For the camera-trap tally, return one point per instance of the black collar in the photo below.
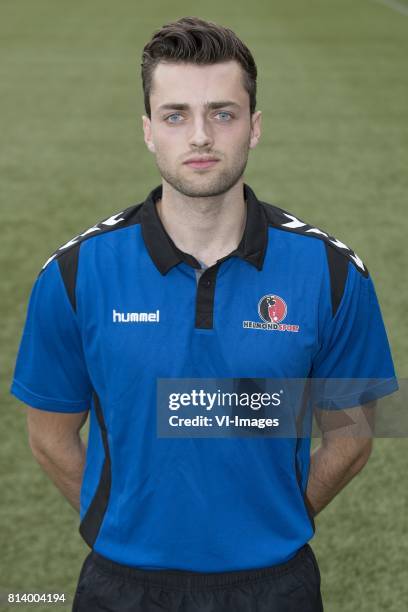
(166, 254)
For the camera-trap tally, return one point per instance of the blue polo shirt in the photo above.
(120, 306)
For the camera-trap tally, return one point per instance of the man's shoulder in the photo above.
(338, 253)
(66, 257)
(125, 218)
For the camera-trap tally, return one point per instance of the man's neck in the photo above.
(207, 228)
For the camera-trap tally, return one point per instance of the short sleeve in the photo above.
(354, 361)
(50, 371)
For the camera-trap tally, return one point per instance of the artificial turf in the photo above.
(333, 89)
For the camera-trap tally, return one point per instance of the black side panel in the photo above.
(92, 521)
(68, 265)
(299, 479)
(338, 268)
(306, 398)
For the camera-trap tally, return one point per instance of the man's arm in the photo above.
(343, 453)
(57, 446)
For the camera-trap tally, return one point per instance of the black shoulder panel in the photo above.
(67, 254)
(277, 217)
(338, 268)
(68, 265)
(129, 216)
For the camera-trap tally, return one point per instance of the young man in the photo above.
(199, 281)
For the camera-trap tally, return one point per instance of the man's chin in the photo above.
(202, 186)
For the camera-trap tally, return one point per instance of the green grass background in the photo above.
(333, 89)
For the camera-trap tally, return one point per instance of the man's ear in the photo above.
(147, 131)
(255, 129)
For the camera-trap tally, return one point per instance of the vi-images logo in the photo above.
(135, 317)
(272, 310)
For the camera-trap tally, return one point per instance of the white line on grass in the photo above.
(396, 6)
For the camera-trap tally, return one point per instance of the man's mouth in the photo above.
(201, 164)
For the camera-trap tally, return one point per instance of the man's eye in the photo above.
(226, 114)
(173, 115)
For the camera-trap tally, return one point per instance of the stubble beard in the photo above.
(214, 184)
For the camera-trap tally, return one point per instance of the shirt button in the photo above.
(208, 283)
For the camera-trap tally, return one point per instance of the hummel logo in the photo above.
(135, 317)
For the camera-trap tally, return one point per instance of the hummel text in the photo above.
(135, 317)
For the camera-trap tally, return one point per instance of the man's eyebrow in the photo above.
(209, 105)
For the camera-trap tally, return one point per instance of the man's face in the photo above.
(183, 126)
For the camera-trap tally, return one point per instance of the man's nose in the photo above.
(200, 133)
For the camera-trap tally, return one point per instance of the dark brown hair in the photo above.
(193, 40)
